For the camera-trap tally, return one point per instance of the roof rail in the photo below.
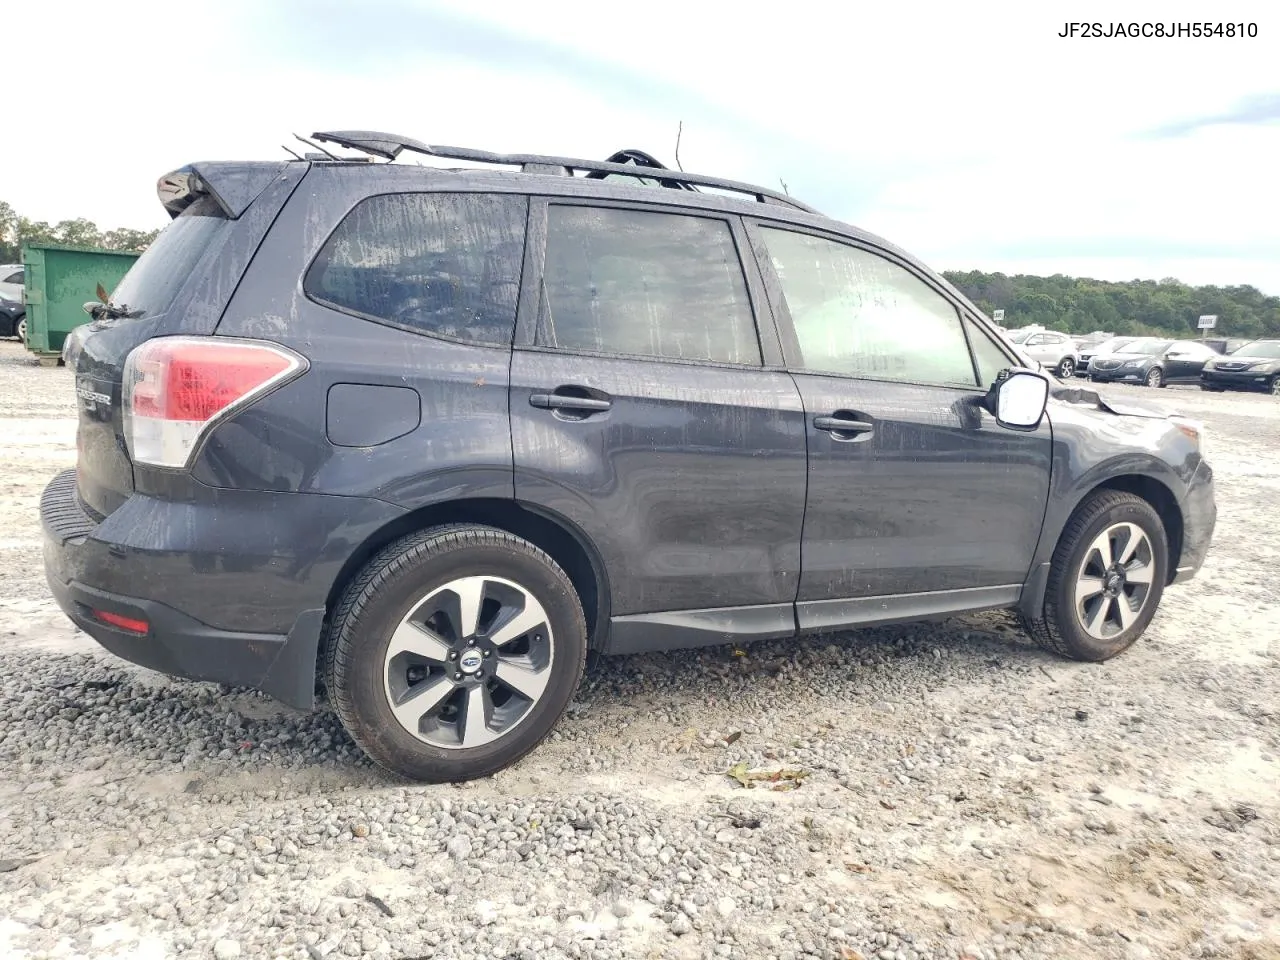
(389, 146)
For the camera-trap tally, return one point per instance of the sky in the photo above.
(973, 135)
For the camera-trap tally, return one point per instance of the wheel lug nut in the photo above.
(457, 676)
(453, 655)
(488, 653)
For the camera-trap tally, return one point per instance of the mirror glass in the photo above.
(1021, 399)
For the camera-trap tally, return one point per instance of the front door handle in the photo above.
(569, 402)
(839, 425)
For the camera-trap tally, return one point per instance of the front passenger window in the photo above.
(858, 314)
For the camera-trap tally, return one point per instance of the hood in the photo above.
(1241, 358)
(1083, 396)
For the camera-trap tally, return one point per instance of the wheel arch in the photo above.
(1148, 487)
(560, 538)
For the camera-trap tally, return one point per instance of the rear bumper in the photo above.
(1199, 518)
(1238, 380)
(233, 591)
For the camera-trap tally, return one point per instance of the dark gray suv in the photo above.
(422, 438)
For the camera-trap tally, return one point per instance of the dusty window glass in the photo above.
(858, 314)
(645, 284)
(14, 277)
(990, 358)
(442, 263)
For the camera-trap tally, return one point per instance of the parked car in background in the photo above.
(1111, 345)
(1253, 366)
(13, 311)
(1053, 350)
(518, 416)
(1223, 345)
(1153, 362)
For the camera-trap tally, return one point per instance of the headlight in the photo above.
(1196, 431)
(1271, 366)
(1133, 363)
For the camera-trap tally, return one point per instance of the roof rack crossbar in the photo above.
(389, 146)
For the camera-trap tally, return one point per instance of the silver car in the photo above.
(1053, 350)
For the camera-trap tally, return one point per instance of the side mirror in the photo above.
(1018, 399)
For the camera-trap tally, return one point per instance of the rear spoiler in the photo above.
(232, 185)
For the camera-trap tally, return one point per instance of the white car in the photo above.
(13, 320)
(1052, 350)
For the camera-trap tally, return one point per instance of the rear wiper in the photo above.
(104, 309)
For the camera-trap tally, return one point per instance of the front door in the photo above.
(918, 501)
(642, 413)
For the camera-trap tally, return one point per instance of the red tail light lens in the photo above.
(177, 388)
(130, 624)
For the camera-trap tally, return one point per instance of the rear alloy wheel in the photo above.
(20, 331)
(455, 652)
(1066, 368)
(1106, 578)
(1155, 377)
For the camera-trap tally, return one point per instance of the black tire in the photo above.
(1066, 368)
(1059, 628)
(387, 589)
(1155, 378)
(1273, 386)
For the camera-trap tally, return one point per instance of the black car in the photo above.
(425, 437)
(1097, 348)
(1253, 366)
(1155, 363)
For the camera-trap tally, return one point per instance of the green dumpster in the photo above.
(59, 281)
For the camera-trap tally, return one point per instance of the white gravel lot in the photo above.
(966, 795)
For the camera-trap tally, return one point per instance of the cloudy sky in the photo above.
(971, 134)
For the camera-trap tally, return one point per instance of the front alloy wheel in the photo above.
(21, 330)
(1106, 578)
(454, 652)
(1066, 368)
(1155, 377)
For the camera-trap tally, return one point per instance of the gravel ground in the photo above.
(960, 793)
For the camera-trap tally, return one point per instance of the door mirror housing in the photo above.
(1018, 399)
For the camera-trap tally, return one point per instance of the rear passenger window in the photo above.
(440, 263)
(645, 284)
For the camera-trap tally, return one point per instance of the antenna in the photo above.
(312, 143)
(679, 131)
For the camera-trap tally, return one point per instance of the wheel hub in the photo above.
(1114, 582)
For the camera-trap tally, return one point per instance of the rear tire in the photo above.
(20, 331)
(454, 652)
(1113, 539)
(1066, 368)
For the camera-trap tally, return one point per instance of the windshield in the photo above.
(1108, 346)
(1146, 347)
(1260, 348)
(154, 279)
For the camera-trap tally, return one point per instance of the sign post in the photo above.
(1207, 321)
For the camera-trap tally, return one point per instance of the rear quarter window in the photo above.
(446, 264)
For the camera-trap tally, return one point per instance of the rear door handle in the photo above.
(843, 425)
(557, 401)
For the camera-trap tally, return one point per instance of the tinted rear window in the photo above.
(155, 278)
(439, 263)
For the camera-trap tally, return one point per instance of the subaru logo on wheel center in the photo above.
(470, 661)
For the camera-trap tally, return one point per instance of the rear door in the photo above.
(647, 411)
(1184, 360)
(918, 501)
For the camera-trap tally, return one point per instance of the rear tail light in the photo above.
(128, 624)
(176, 389)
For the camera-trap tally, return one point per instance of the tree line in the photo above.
(1135, 307)
(16, 230)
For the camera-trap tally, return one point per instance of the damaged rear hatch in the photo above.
(180, 285)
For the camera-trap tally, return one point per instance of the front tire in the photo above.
(1273, 386)
(1155, 377)
(20, 331)
(454, 653)
(1066, 368)
(1106, 578)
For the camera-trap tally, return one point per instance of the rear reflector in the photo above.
(124, 623)
(177, 388)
